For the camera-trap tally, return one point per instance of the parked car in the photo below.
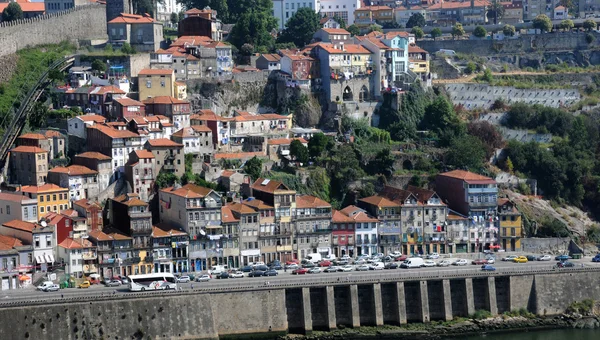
(520, 259)
(596, 258)
(562, 257)
(113, 283)
(509, 258)
(479, 261)
(45, 285)
(236, 275)
(395, 253)
(460, 262)
(362, 267)
(544, 258)
(261, 267)
(276, 266)
(124, 280)
(487, 267)
(565, 264)
(315, 270)
(183, 279)
(332, 269)
(387, 259)
(347, 268)
(429, 263)
(401, 258)
(490, 260)
(292, 266)
(531, 258)
(360, 261)
(256, 273)
(377, 266)
(443, 263)
(255, 265)
(270, 272)
(292, 261)
(412, 262)
(246, 269)
(308, 264)
(325, 263)
(433, 256)
(223, 275)
(84, 284)
(391, 265)
(299, 271)
(52, 288)
(203, 278)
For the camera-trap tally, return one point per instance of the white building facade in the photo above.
(283, 10)
(341, 8)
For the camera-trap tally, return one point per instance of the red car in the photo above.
(401, 258)
(479, 261)
(292, 261)
(299, 271)
(325, 263)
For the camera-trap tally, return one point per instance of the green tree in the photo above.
(12, 12)
(174, 18)
(375, 28)
(480, 32)
(253, 168)
(466, 152)
(165, 179)
(543, 23)
(353, 29)
(470, 68)
(221, 6)
(509, 166)
(487, 133)
(301, 27)
(509, 30)
(254, 27)
(416, 20)
(108, 48)
(436, 32)
(340, 21)
(487, 75)
(495, 11)
(142, 7)
(299, 151)
(566, 25)
(589, 24)
(127, 48)
(418, 32)
(458, 30)
(589, 38)
(317, 144)
(99, 65)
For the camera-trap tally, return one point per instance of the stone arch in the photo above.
(407, 164)
(363, 95)
(347, 95)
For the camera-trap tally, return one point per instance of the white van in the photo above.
(413, 262)
(45, 285)
(314, 257)
(217, 270)
(377, 266)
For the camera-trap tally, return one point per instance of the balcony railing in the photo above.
(90, 268)
(149, 259)
(132, 260)
(89, 256)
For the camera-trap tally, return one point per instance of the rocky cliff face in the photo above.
(8, 65)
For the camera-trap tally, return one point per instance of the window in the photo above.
(148, 83)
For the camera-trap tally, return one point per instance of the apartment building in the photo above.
(178, 111)
(98, 162)
(168, 154)
(79, 257)
(28, 165)
(253, 234)
(283, 10)
(115, 252)
(343, 234)
(50, 197)
(154, 82)
(365, 230)
(14, 206)
(115, 142)
(81, 181)
(196, 139)
(510, 225)
(341, 8)
(169, 249)
(140, 173)
(312, 226)
(390, 223)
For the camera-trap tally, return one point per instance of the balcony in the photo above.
(90, 268)
(132, 260)
(482, 204)
(482, 190)
(149, 259)
(286, 232)
(145, 214)
(89, 256)
(168, 167)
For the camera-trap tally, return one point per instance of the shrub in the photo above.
(481, 314)
(581, 307)
(589, 38)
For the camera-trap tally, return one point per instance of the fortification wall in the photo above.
(81, 23)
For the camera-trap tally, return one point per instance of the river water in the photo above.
(554, 334)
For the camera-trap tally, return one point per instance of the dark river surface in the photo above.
(554, 334)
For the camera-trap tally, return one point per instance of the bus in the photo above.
(154, 281)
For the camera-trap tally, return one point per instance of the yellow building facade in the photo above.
(510, 225)
(50, 197)
(154, 83)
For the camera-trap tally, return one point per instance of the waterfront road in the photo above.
(286, 279)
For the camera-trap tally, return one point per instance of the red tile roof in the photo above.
(164, 100)
(347, 49)
(240, 208)
(94, 155)
(52, 134)
(114, 133)
(153, 72)
(412, 48)
(74, 170)
(166, 230)
(378, 201)
(100, 235)
(13, 197)
(28, 149)
(20, 225)
(339, 217)
(32, 136)
(285, 141)
(227, 215)
(336, 31)
(92, 118)
(86, 204)
(10, 241)
(163, 142)
(188, 191)
(239, 155)
(70, 243)
(128, 102)
(130, 200)
(42, 188)
(457, 4)
(141, 154)
(267, 185)
(273, 57)
(308, 201)
(125, 18)
(208, 115)
(26, 6)
(467, 176)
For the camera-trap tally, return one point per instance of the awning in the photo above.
(49, 258)
(40, 259)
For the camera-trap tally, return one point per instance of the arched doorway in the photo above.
(347, 94)
(407, 165)
(364, 94)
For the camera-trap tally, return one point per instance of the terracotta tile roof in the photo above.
(86, 204)
(467, 176)
(130, 200)
(308, 201)
(14, 197)
(74, 170)
(52, 134)
(10, 241)
(267, 185)
(117, 235)
(227, 215)
(412, 48)
(188, 191)
(227, 173)
(113, 124)
(347, 49)
(559, 8)
(94, 155)
(69, 213)
(20, 225)
(166, 230)
(70, 243)
(191, 131)
(272, 57)
(285, 141)
(336, 31)
(114, 133)
(239, 155)
(164, 100)
(153, 72)
(456, 4)
(26, 7)
(215, 44)
(128, 102)
(362, 217)
(191, 40)
(247, 116)
(200, 128)
(141, 154)
(324, 20)
(373, 8)
(92, 118)
(28, 149)
(100, 235)
(32, 136)
(163, 142)
(257, 204)
(339, 217)
(107, 89)
(209, 115)
(125, 18)
(42, 188)
(423, 195)
(240, 208)
(378, 201)
(197, 11)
